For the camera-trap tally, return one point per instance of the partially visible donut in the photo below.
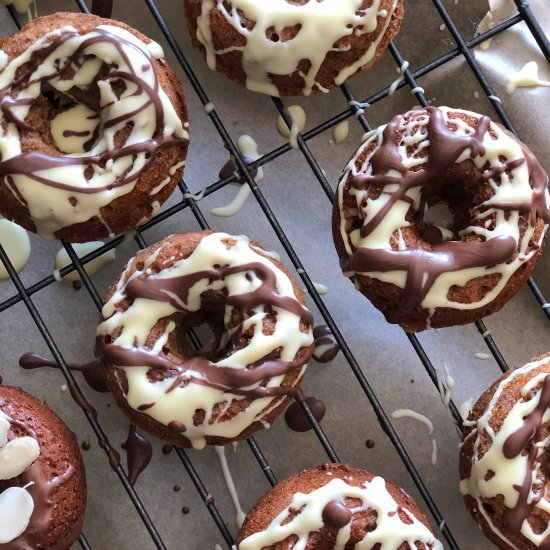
(504, 458)
(290, 47)
(93, 127)
(44, 493)
(262, 331)
(421, 272)
(335, 506)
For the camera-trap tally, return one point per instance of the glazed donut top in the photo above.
(24, 489)
(400, 167)
(512, 465)
(321, 24)
(63, 190)
(250, 284)
(326, 506)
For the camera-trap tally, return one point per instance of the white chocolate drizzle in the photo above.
(82, 249)
(526, 77)
(220, 453)
(321, 25)
(16, 244)
(390, 532)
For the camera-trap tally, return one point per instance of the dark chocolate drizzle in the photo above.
(526, 439)
(200, 369)
(427, 262)
(138, 454)
(323, 337)
(41, 490)
(297, 420)
(93, 372)
(336, 514)
(29, 163)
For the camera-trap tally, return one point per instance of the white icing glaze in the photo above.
(22, 6)
(220, 452)
(465, 408)
(249, 148)
(508, 472)
(321, 288)
(390, 532)
(50, 207)
(340, 132)
(527, 76)
(17, 245)
(322, 25)
(298, 116)
(82, 249)
(483, 356)
(181, 403)
(17, 507)
(408, 413)
(512, 190)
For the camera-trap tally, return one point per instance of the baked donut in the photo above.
(420, 269)
(42, 481)
(504, 458)
(335, 506)
(262, 341)
(290, 47)
(93, 134)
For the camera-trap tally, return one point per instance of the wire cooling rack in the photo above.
(353, 108)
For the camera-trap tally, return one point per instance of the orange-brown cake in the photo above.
(292, 47)
(440, 217)
(93, 127)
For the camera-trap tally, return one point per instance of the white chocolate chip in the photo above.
(17, 455)
(17, 506)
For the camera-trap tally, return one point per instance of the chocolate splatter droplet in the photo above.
(177, 488)
(86, 446)
(167, 449)
(296, 418)
(336, 514)
(185, 510)
(369, 443)
(138, 454)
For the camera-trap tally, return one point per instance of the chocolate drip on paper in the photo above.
(41, 490)
(336, 514)
(526, 438)
(295, 417)
(29, 163)
(323, 337)
(93, 372)
(425, 264)
(138, 454)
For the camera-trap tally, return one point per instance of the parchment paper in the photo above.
(384, 352)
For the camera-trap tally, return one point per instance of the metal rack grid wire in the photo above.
(354, 108)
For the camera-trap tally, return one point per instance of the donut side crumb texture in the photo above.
(179, 347)
(280, 497)
(124, 212)
(58, 451)
(347, 50)
(476, 441)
